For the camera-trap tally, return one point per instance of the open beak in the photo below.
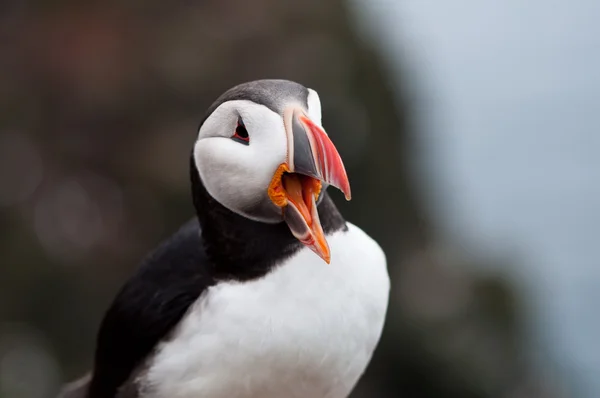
(312, 160)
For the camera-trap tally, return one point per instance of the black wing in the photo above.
(147, 308)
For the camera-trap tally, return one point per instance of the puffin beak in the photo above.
(311, 162)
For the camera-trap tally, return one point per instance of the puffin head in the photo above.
(262, 153)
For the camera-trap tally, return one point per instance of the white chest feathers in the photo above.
(307, 329)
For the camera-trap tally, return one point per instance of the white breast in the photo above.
(307, 329)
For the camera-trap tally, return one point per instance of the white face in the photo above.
(238, 174)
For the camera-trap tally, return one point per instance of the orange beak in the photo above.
(312, 160)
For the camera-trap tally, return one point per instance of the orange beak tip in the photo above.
(324, 252)
(326, 256)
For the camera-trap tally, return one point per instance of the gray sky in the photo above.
(511, 120)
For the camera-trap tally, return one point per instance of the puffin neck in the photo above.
(244, 249)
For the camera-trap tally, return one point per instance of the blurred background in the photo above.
(471, 135)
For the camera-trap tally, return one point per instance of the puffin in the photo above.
(268, 292)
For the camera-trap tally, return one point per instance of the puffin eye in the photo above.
(241, 134)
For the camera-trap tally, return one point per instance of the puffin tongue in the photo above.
(299, 194)
(301, 212)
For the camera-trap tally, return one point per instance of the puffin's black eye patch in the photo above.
(241, 134)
